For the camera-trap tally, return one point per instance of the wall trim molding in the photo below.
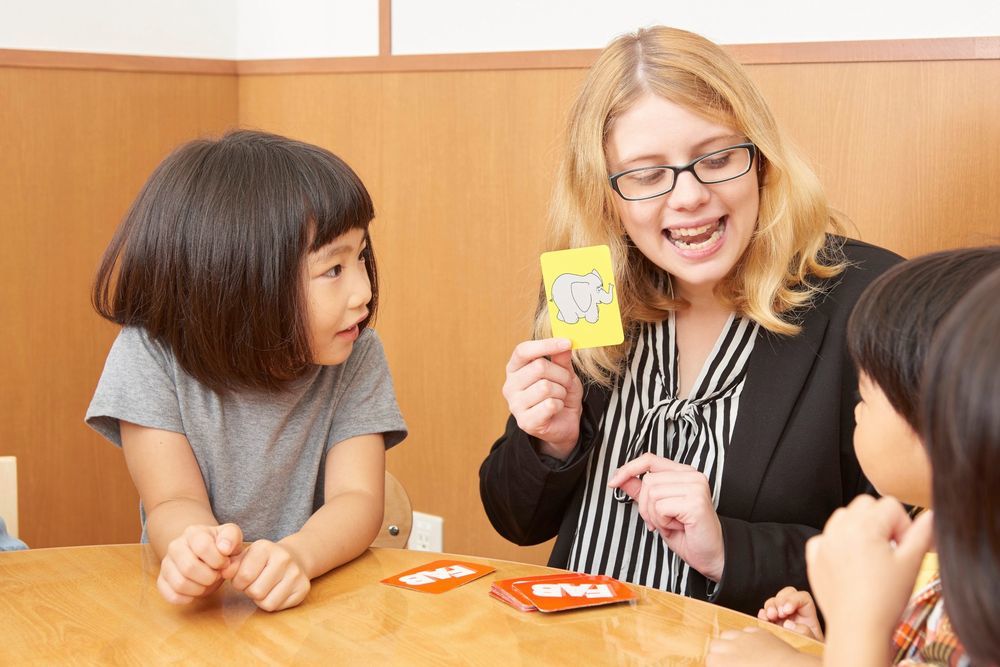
(895, 50)
(114, 62)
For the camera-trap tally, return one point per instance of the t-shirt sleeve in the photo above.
(368, 401)
(137, 386)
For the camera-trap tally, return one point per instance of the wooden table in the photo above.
(100, 605)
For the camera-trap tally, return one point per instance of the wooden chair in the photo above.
(8, 493)
(398, 521)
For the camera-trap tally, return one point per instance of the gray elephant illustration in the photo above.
(577, 296)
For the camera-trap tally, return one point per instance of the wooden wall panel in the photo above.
(910, 150)
(75, 146)
(460, 165)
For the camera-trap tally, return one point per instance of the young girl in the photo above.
(699, 455)
(251, 399)
(861, 582)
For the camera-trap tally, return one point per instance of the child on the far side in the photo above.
(861, 579)
(248, 392)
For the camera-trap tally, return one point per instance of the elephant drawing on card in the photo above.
(578, 296)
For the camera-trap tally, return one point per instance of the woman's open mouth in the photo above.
(697, 238)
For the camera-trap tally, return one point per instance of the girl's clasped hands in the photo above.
(203, 557)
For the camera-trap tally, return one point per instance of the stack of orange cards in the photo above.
(560, 592)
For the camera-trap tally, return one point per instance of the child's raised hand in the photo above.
(860, 579)
(195, 561)
(270, 575)
(544, 394)
(793, 610)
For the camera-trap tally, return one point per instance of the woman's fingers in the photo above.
(530, 350)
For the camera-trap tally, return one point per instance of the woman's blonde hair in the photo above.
(789, 245)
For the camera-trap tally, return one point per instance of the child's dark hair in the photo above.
(961, 408)
(209, 257)
(893, 323)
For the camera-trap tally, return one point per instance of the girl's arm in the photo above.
(351, 515)
(193, 548)
(277, 575)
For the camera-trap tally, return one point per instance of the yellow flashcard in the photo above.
(583, 301)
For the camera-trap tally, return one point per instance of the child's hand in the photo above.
(861, 581)
(754, 646)
(270, 575)
(793, 610)
(195, 560)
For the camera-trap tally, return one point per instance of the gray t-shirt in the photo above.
(261, 454)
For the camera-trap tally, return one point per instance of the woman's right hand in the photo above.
(545, 395)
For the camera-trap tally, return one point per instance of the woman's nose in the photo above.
(688, 193)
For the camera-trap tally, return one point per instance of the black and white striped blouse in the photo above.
(645, 415)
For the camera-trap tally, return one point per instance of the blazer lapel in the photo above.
(777, 371)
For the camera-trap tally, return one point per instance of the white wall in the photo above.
(459, 26)
(226, 29)
(306, 28)
(262, 29)
(188, 28)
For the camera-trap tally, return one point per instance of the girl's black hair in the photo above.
(209, 257)
(961, 408)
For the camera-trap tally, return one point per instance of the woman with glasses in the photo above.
(699, 455)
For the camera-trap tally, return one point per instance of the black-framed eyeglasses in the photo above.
(715, 167)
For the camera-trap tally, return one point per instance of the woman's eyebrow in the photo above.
(659, 157)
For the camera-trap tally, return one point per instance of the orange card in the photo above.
(439, 576)
(574, 592)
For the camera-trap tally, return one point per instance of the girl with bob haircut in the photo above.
(699, 455)
(248, 392)
(928, 395)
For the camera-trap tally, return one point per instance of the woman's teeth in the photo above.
(696, 238)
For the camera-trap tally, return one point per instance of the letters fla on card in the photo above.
(582, 297)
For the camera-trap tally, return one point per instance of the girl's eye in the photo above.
(335, 271)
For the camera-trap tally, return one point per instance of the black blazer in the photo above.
(789, 465)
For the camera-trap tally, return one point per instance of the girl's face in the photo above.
(889, 451)
(695, 232)
(337, 294)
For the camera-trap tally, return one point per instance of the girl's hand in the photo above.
(753, 646)
(545, 395)
(862, 570)
(793, 610)
(270, 575)
(675, 500)
(195, 561)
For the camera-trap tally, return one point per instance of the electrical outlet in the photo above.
(427, 533)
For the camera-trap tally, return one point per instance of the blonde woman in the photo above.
(701, 454)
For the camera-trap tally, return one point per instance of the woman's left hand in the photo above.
(675, 500)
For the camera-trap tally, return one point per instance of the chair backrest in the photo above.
(8, 493)
(398, 520)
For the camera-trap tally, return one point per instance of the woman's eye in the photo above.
(335, 271)
(717, 162)
(647, 177)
